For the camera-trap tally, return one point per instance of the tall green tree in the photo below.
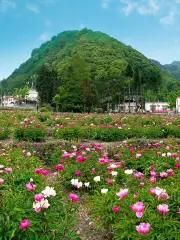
(47, 84)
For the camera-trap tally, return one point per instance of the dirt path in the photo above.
(86, 229)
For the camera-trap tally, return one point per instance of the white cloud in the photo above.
(5, 4)
(142, 7)
(169, 19)
(33, 7)
(44, 36)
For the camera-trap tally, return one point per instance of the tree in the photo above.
(47, 84)
(21, 94)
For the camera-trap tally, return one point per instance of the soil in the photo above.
(86, 228)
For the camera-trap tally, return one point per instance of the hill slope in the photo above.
(173, 68)
(110, 64)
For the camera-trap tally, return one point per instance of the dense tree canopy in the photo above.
(82, 70)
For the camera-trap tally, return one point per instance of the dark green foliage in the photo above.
(92, 69)
(29, 134)
(3, 133)
(46, 84)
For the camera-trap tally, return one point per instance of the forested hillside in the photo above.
(85, 69)
(173, 68)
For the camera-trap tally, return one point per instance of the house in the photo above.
(8, 101)
(32, 96)
(178, 105)
(131, 104)
(157, 107)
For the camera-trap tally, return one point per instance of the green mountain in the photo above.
(173, 68)
(111, 67)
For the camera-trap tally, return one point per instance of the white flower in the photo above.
(31, 179)
(86, 184)
(104, 190)
(163, 154)
(169, 154)
(76, 183)
(40, 204)
(113, 173)
(128, 171)
(49, 191)
(88, 149)
(113, 166)
(97, 179)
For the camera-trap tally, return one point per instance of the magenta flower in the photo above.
(60, 167)
(78, 172)
(143, 228)
(38, 197)
(80, 158)
(163, 208)
(115, 208)
(9, 170)
(109, 181)
(30, 186)
(73, 197)
(24, 224)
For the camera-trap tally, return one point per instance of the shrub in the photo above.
(29, 134)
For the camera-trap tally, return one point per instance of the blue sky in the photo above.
(150, 26)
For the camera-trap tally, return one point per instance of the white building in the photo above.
(178, 105)
(8, 101)
(157, 107)
(32, 95)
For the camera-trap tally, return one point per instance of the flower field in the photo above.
(132, 190)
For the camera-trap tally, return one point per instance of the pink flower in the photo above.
(73, 197)
(28, 154)
(138, 175)
(141, 184)
(24, 224)
(170, 172)
(143, 228)
(138, 208)
(178, 211)
(66, 155)
(115, 208)
(38, 197)
(30, 186)
(9, 170)
(60, 167)
(93, 170)
(163, 208)
(152, 179)
(163, 175)
(152, 190)
(153, 173)
(78, 172)
(1, 180)
(122, 193)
